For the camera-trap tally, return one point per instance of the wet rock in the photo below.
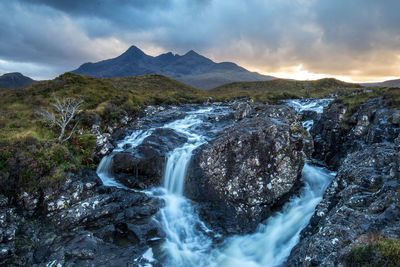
(362, 199)
(85, 249)
(9, 223)
(83, 223)
(328, 135)
(340, 132)
(152, 110)
(143, 166)
(242, 109)
(396, 117)
(29, 202)
(310, 115)
(248, 170)
(111, 207)
(208, 101)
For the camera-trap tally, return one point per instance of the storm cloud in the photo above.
(357, 39)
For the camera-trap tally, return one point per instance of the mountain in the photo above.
(191, 68)
(14, 80)
(390, 83)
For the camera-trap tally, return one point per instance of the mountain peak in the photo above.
(14, 80)
(133, 51)
(13, 74)
(192, 53)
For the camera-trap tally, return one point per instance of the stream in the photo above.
(188, 241)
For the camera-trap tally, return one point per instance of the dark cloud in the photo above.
(358, 39)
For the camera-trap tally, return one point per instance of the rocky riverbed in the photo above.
(363, 199)
(246, 165)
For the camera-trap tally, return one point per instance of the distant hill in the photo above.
(191, 68)
(284, 89)
(14, 80)
(390, 83)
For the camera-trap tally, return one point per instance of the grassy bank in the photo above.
(30, 157)
(390, 95)
(273, 91)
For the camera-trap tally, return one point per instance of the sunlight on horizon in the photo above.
(299, 73)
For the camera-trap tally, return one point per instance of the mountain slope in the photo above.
(14, 80)
(191, 68)
(390, 83)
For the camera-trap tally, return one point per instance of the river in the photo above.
(188, 241)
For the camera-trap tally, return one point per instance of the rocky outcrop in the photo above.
(249, 169)
(9, 224)
(242, 109)
(341, 131)
(362, 199)
(82, 223)
(143, 167)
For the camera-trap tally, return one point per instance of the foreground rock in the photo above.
(81, 224)
(363, 199)
(362, 202)
(249, 170)
(9, 223)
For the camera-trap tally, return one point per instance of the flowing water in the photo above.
(316, 105)
(188, 241)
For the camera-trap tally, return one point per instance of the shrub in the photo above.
(59, 153)
(380, 251)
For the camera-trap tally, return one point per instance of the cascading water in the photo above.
(185, 242)
(271, 244)
(188, 241)
(315, 105)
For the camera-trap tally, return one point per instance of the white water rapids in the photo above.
(189, 242)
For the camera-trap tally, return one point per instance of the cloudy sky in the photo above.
(355, 40)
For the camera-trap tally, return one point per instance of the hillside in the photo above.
(390, 83)
(191, 68)
(128, 94)
(14, 80)
(28, 147)
(280, 89)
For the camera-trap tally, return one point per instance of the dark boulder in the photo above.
(242, 109)
(309, 115)
(143, 166)
(248, 170)
(329, 134)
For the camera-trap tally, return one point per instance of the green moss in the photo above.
(378, 252)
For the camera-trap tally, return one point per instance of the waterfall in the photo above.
(188, 241)
(185, 239)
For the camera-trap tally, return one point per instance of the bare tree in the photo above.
(66, 110)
